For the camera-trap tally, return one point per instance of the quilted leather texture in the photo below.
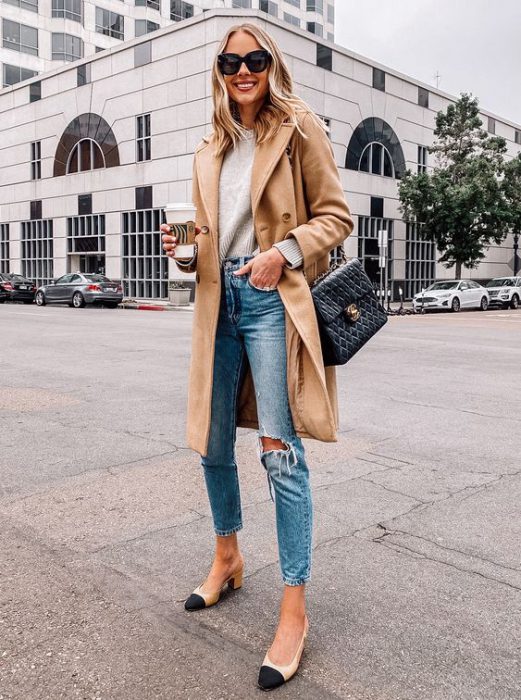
(341, 337)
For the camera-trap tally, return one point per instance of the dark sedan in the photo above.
(14, 287)
(78, 289)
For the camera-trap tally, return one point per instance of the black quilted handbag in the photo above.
(348, 312)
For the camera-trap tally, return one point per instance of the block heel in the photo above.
(200, 599)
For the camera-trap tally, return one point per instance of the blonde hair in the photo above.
(281, 104)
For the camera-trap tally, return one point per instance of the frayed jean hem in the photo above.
(296, 581)
(225, 533)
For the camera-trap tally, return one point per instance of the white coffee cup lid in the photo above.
(179, 206)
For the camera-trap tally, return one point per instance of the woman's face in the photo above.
(246, 88)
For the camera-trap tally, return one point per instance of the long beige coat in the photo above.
(295, 191)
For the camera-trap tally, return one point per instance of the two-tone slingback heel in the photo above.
(202, 599)
(272, 676)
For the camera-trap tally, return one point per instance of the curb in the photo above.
(154, 307)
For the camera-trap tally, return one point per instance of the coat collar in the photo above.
(208, 169)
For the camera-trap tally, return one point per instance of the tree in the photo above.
(512, 193)
(461, 205)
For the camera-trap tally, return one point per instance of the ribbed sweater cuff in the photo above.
(291, 250)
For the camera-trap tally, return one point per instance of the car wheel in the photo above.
(455, 306)
(40, 299)
(514, 302)
(78, 301)
(484, 304)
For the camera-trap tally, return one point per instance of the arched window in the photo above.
(377, 160)
(88, 143)
(86, 155)
(375, 148)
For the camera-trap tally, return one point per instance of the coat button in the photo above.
(204, 229)
(286, 216)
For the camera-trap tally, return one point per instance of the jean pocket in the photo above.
(259, 289)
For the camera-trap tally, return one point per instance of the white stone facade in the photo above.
(174, 89)
(41, 22)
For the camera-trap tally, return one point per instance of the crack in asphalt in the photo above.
(505, 417)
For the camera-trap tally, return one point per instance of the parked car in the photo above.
(78, 289)
(14, 287)
(452, 295)
(504, 291)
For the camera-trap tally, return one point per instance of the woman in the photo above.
(270, 208)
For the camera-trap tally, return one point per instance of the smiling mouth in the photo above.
(244, 87)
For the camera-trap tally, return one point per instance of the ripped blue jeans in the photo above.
(252, 325)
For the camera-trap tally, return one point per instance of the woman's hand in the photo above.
(265, 268)
(169, 241)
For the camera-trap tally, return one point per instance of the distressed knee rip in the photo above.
(276, 453)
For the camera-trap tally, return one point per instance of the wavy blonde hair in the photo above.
(280, 105)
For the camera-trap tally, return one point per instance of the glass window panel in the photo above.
(85, 163)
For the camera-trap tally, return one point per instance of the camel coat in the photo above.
(295, 191)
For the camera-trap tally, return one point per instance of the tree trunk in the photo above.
(458, 271)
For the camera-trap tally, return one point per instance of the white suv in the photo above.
(504, 291)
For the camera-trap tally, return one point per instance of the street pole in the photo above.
(382, 251)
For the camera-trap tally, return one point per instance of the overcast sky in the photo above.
(475, 45)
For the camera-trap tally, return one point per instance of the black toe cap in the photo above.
(194, 602)
(269, 678)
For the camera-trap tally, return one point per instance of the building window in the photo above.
(315, 28)
(110, 23)
(376, 159)
(491, 125)
(517, 136)
(143, 137)
(420, 261)
(142, 54)
(269, 7)
(368, 250)
(331, 14)
(324, 57)
(144, 265)
(180, 10)
(327, 122)
(375, 130)
(37, 251)
(69, 9)
(15, 74)
(377, 207)
(144, 197)
(291, 19)
(86, 155)
(97, 49)
(20, 37)
(246, 4)
(83, 74)
(295, 3)
(36, 209)
(35, 91)
(36, 160)
(84, 204)
(315, 6)
(4, 248)
(24, 4)
(423, 97)
(66, 47)
(422, 159)
(86, 234)
(71, 152)
(153, 4)
(145, 26)
(379, 79)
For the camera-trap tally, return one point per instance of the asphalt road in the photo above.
(105, 527)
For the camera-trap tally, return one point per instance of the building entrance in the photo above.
(368, 252)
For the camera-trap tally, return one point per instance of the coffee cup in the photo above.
(181, 219)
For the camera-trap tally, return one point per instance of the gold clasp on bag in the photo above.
(352, 312)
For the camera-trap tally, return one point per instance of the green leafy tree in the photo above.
(512, 193)
(462, 203)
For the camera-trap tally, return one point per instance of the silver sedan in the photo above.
(78, 289)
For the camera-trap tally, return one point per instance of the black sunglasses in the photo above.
(256, 61)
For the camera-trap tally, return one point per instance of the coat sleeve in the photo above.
(330, 221)
(191, 265)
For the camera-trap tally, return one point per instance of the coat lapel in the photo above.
(267, 155)
(208, 169)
